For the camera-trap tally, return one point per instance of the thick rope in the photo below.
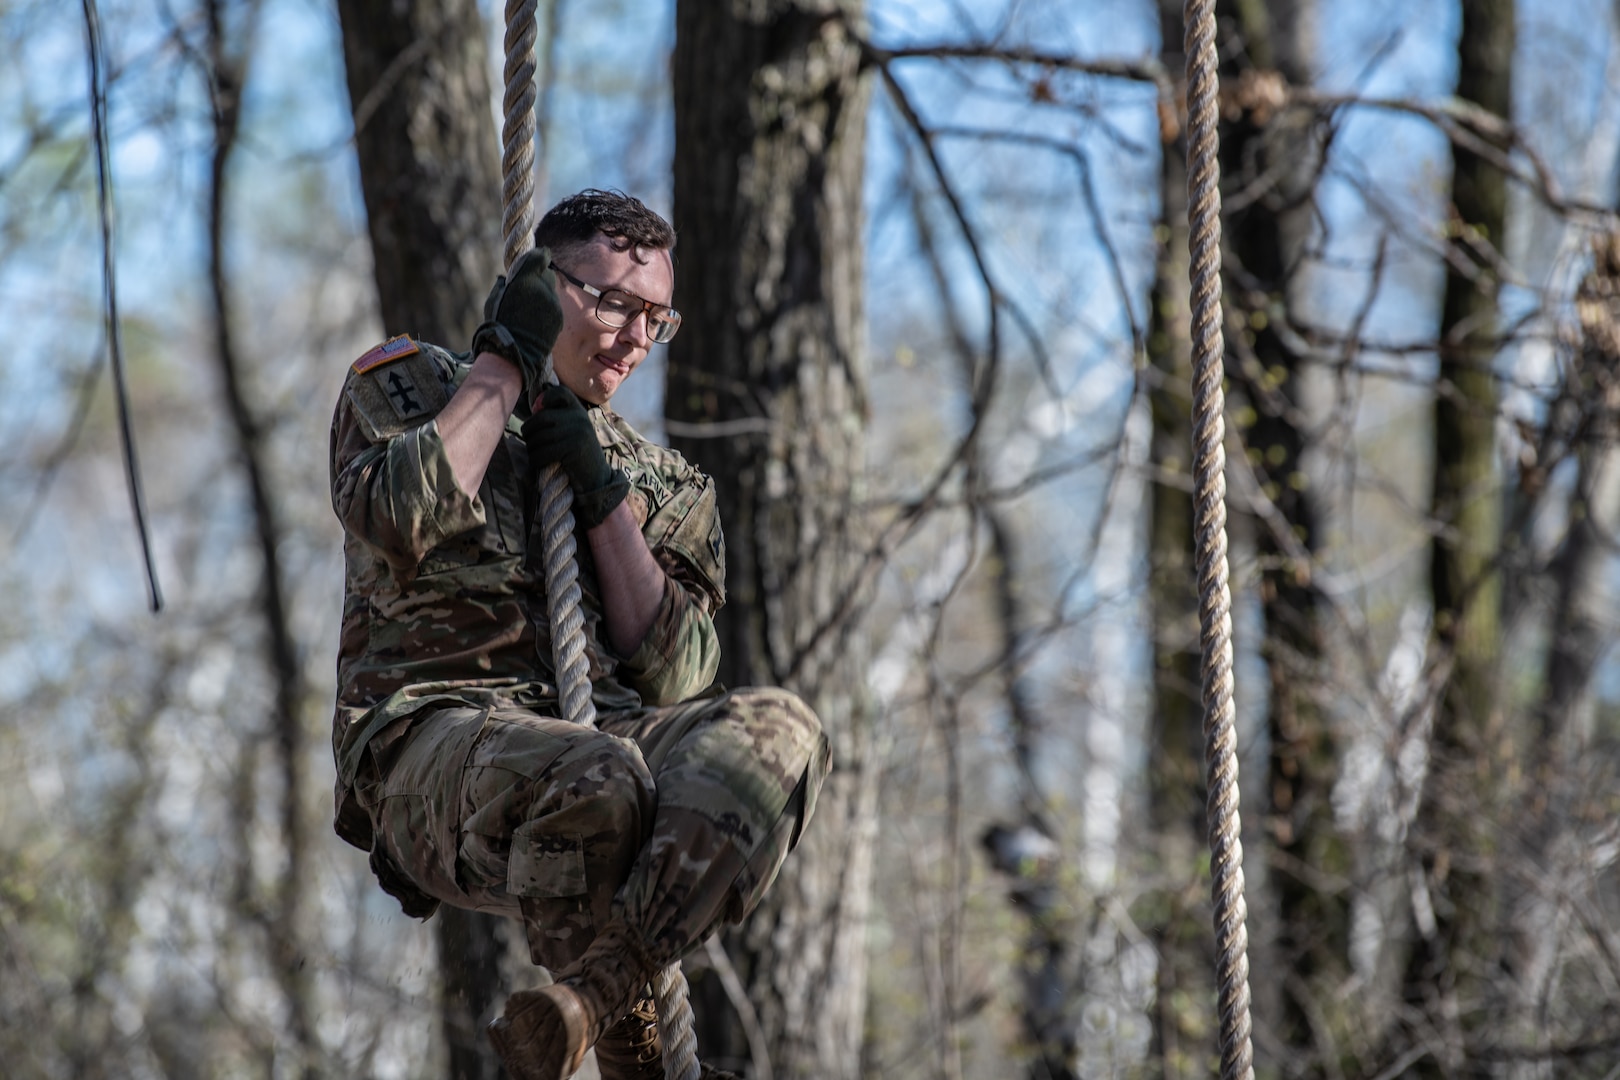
(1214, 594)
(675, 1024)
(563, 597)
(518, 132)
(557, 498)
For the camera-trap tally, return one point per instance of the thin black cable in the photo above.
(115, 339)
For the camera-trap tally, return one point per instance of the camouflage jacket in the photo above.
(444, 594)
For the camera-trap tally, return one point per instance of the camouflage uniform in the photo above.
(453, 770)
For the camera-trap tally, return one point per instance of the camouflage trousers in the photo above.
(674, 819)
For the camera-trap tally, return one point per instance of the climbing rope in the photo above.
(557, 499)
(1214, 593)
(518, 132)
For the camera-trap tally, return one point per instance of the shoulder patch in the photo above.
(392, 393)
(392, 349)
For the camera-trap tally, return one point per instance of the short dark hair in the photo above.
(623, 219)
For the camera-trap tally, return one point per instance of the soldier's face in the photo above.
(591, 358)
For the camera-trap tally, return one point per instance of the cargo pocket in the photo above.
(504, 776)
(546, 872)
(414, 809)
(544, 864)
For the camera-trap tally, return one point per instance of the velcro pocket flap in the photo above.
(545, 864)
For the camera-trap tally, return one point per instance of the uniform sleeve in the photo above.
(680, 521)
(680, 655)
(397, 495)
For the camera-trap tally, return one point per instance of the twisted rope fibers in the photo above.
(518, 131)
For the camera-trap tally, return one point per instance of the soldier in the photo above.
(619, 848)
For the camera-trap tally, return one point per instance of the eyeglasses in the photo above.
(616, 308)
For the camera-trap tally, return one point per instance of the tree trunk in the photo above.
(1554, 842)
(1023, 851)
(281, 918)
(770, 120)
(429, 171)
(1047, 1011)
(1261, 145)
(429, 166)
(1455, 953)
(1585, 596)
(1184, 1009)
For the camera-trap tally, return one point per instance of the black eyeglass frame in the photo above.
(667, 316)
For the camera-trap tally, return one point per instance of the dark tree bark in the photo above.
(1179, 919)
(1278, 148)
(770, 119)
(429, 171)
(1551, 826)
(1180, 914)
(429, 165)
(1265, 45)
(1455, 953)
(1581, 611)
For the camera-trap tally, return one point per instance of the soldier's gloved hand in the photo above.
(522, 319)
(560, 431)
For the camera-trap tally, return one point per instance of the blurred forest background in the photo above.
(933, 264)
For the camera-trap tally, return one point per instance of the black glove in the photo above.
(522, 319)
(560, 431)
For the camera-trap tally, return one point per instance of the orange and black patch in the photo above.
(388, 351)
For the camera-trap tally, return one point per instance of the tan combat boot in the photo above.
(631, 1049)
(544, 1033)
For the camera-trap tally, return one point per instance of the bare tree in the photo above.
(1554, 875)
(419, 94)
(161, 911)
(1184, 990)
(279, 917)
(1271, 159)
(1455, 947)
(770, 118)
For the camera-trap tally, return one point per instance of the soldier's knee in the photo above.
(786, 729)
(575, 781)
(547, 796)
(609, 772)
(784, 707)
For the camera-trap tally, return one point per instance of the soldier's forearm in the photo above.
(631, 579)
(472, 423)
